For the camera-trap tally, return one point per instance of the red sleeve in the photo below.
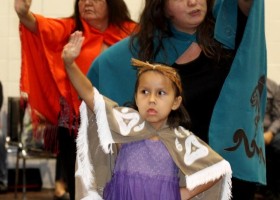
(43, 76)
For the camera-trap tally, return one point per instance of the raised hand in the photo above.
(73, 48)
(80, 82)
(22, 7)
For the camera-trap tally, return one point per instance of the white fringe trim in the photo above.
(85, 170)
(210, 174)
(103, 129)
(92, 196)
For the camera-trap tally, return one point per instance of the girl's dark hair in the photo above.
(118, 13)
(154, 27)
(179, 117)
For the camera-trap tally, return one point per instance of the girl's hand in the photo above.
(22, 7)
(73, 48)
(80, 82)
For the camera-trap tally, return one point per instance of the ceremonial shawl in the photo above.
(236, 128)
(239, 108)
(43, 76)
(110, 124)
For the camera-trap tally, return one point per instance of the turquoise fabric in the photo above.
(107, 72)
(225, 12)
(236, 129)
(113, 75)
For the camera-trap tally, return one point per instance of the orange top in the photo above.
(43, 76)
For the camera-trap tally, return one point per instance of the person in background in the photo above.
(3, 151)
(43, 77)
(272, 141)
(211, 44)
(154, 145)
(272, 112)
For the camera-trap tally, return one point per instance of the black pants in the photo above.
(243, 190)
(66, 159)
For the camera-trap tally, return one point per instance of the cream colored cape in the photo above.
(110, 124)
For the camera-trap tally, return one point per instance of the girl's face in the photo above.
(155, 98)
(186, 15)
(93, 10)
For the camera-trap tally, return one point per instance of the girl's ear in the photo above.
(177, 102)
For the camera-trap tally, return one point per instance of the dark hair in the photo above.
(118, 13)
(179, 117)
(205, 35)
(154, 26)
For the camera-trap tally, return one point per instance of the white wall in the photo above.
(272, 20)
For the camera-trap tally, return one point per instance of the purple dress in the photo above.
(144, 170)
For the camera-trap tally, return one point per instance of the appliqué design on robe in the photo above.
(110, 124)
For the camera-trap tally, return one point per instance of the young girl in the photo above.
(155, 147)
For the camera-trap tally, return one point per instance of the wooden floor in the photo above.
(47, 194)
(44, 194)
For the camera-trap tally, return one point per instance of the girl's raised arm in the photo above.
(80, 82)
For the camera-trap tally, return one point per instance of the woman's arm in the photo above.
(245, 6)
(80, 82)
(22, 8)
(188, 194)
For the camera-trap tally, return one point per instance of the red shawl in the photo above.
(43, 76)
